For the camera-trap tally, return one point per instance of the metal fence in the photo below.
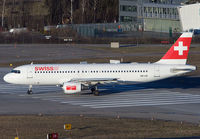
(93, 30)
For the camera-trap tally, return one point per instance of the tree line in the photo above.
(37, 13)
(83, 11)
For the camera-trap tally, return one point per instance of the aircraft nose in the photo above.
(7, 78)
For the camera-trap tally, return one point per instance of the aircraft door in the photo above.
(30, 72)
(156, 71)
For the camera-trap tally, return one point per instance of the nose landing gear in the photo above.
(29, 92)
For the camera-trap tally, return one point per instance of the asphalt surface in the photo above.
(171, 99)
(39, 52)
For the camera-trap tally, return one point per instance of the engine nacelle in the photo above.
(71, 88)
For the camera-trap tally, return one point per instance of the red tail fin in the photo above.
(178, 53)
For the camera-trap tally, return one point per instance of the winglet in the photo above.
(178, 53)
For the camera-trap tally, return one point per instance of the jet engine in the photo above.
(71, 88)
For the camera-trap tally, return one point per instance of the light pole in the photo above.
(83, 10)
(2, 16)
(95, 7)
(71, 11)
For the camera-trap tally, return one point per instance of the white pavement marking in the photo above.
(143, 99)
(126, 99)
(146, 97)
(22, 89)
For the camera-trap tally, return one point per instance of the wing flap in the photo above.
(95, 80)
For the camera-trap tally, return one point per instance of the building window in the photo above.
(128, 8)
(128, 19)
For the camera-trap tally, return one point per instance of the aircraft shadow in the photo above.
(183, 82)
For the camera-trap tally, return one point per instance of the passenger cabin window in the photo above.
(16, 71)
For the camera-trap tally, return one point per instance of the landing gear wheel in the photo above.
(29, 92)
(96, 93)
(93, 89)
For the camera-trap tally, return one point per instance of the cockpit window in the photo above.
(16, 71)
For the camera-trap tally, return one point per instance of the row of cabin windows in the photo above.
(103, 71)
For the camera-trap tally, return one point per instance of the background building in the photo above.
(189, 22)
(151, 15)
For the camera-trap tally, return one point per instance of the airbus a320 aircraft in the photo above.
(76, 77)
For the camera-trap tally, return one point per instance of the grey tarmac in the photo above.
(54, 52)
(175, 99)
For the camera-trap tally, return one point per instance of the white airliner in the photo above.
(76, 77)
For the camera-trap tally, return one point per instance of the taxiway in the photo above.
(172, 99)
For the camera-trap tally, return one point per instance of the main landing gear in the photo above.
(29, 92)
(95, 90)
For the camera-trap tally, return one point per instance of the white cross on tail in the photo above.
(180, 48)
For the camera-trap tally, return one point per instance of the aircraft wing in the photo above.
(95, 80)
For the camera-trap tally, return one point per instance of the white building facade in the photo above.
(189, 22)
(152, 15)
